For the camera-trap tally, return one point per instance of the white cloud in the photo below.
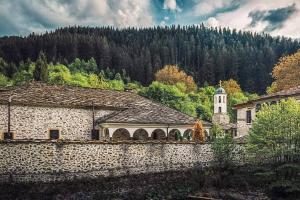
(207, 7)
(38, 16)
(240, 19)
(212, 22)
(171, 5)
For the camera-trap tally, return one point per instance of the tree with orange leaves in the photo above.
(171, 75)
(231, 87)
(198, 132)
(286, 73)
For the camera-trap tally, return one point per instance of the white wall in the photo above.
(35, 122)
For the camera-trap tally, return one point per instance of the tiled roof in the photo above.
(129, 107)
(281, 94)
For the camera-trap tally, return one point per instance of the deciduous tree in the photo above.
(171, 75)
(286, 73)
(275, 134)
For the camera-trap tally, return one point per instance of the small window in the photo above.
(248, 116)
(224, 99)
(8, 136)
(258, 107)
(220, 100)
(273, 102)
(234, 132)
(95, 134)
(220, 110)
(54, 134)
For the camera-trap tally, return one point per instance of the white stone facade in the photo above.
(242, 126)
(220, 103)
(35, 122)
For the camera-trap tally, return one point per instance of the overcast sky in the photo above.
(277, 17)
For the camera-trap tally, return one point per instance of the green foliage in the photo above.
(89, 66)
(223, 149)
(41, 68)
(59, 74)
(275, 134)
(3, 80)
(171, 96)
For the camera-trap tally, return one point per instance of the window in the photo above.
(220, 100)
(54, 134)
(224, 99)
(220, 110)
(248, 117)
(273, 102)
(95, 134)
(258, 107)
(234, 132)
(8, 136)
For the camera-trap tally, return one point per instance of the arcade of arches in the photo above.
(144, 134)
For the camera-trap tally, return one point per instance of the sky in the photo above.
(276, 17)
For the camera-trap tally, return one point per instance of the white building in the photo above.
(45, 112)
(246, 111)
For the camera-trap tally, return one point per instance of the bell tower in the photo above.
(220, 106)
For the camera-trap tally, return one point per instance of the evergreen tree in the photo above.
(41, 68)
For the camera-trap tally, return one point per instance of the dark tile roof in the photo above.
(281, 94)
(129, 107)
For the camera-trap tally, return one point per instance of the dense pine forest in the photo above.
(208, 54)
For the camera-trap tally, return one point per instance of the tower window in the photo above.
(220, 109)
(224, 99)
(220, 100)
(54, 134)
(248, 116)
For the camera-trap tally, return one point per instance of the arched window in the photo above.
(174, 134)
(188, 134)
(158, 134)
(140, 134)
(121, 134)
(220, 100)
(220, 110)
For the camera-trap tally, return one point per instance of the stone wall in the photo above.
(27, 161)
(35, 122)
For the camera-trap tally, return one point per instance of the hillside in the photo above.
(209, 55)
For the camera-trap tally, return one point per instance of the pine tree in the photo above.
(40, 72)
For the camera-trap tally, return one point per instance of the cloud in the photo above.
(279, 17)
(275, 17)
(212, 6)
(38, 16)
(171, 5)
(212, 22)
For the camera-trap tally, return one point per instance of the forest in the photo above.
(206, 54)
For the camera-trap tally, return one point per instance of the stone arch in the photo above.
(174, 134)
(188, 134)
(140, 134)
(158, 134)
(121, 134)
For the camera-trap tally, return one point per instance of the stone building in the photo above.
(220, 115)
(246, 111)
(44, 111)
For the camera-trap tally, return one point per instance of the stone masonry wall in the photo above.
(27, 161)
(35, 122)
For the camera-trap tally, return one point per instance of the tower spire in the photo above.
(220, 83)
